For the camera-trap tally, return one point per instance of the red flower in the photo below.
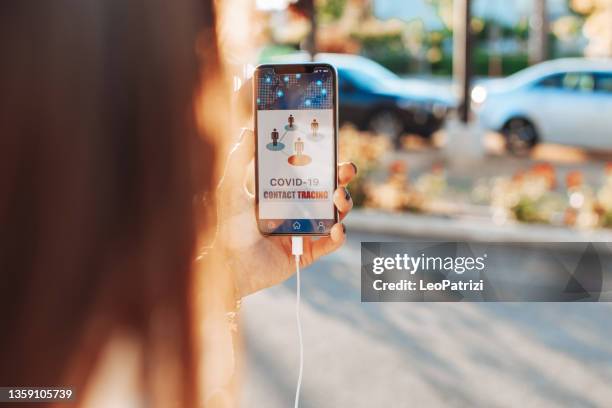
(398, 167)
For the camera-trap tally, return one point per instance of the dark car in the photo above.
(374, 98)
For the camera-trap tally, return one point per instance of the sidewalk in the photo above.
(392, 355)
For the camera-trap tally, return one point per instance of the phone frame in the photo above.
(300, 68)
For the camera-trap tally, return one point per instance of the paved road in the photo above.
(419, 354)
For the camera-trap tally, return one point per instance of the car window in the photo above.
(603, 82)
(550, 81)
(578, 81)
(344, 83)
(570, 81)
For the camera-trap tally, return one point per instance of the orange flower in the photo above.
(437, 168)
(569, 217)
(547, 171)
(574, 179)
(518, 176)
(398, 167)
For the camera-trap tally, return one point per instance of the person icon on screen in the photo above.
(314, 126)
(291, 120)
(299, 158)
(275, 137)
(299, 147)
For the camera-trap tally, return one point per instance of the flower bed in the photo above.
(533, 195)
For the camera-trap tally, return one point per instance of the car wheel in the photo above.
(520, 135)
(387, 123)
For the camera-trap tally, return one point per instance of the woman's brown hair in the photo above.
(100, 166)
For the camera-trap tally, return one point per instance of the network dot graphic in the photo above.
(294, 91)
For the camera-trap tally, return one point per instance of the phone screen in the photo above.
(296, 148)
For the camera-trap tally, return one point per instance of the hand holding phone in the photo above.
(257, 261)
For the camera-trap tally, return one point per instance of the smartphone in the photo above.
(296, 126)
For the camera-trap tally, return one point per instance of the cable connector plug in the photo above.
(297, 246)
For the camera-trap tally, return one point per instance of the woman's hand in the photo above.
(256, 261)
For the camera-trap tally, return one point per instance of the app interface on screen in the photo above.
(296, 150)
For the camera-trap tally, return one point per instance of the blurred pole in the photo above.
(495, 59)
(538, 33)
(368, 8)
(307, 7)
(462, 55)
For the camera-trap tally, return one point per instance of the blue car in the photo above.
(374, 98)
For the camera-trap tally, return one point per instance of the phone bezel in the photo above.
(288, 69)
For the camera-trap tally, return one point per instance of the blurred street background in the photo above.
(469, 120)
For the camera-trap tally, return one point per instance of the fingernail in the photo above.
(354, 167)
(347, 195)
(344, 228)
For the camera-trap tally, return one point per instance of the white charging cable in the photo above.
(297, 248)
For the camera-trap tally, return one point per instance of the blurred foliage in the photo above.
(606, 219)
(366, 151)
(409, 47)
(398, 62)
(483, 29)
(385, 42)
(444, 9)
(272, 50)
(597, 26)
(567, 27)
(388, 50)
(527, 210)
(330, 10)
(510, 63)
